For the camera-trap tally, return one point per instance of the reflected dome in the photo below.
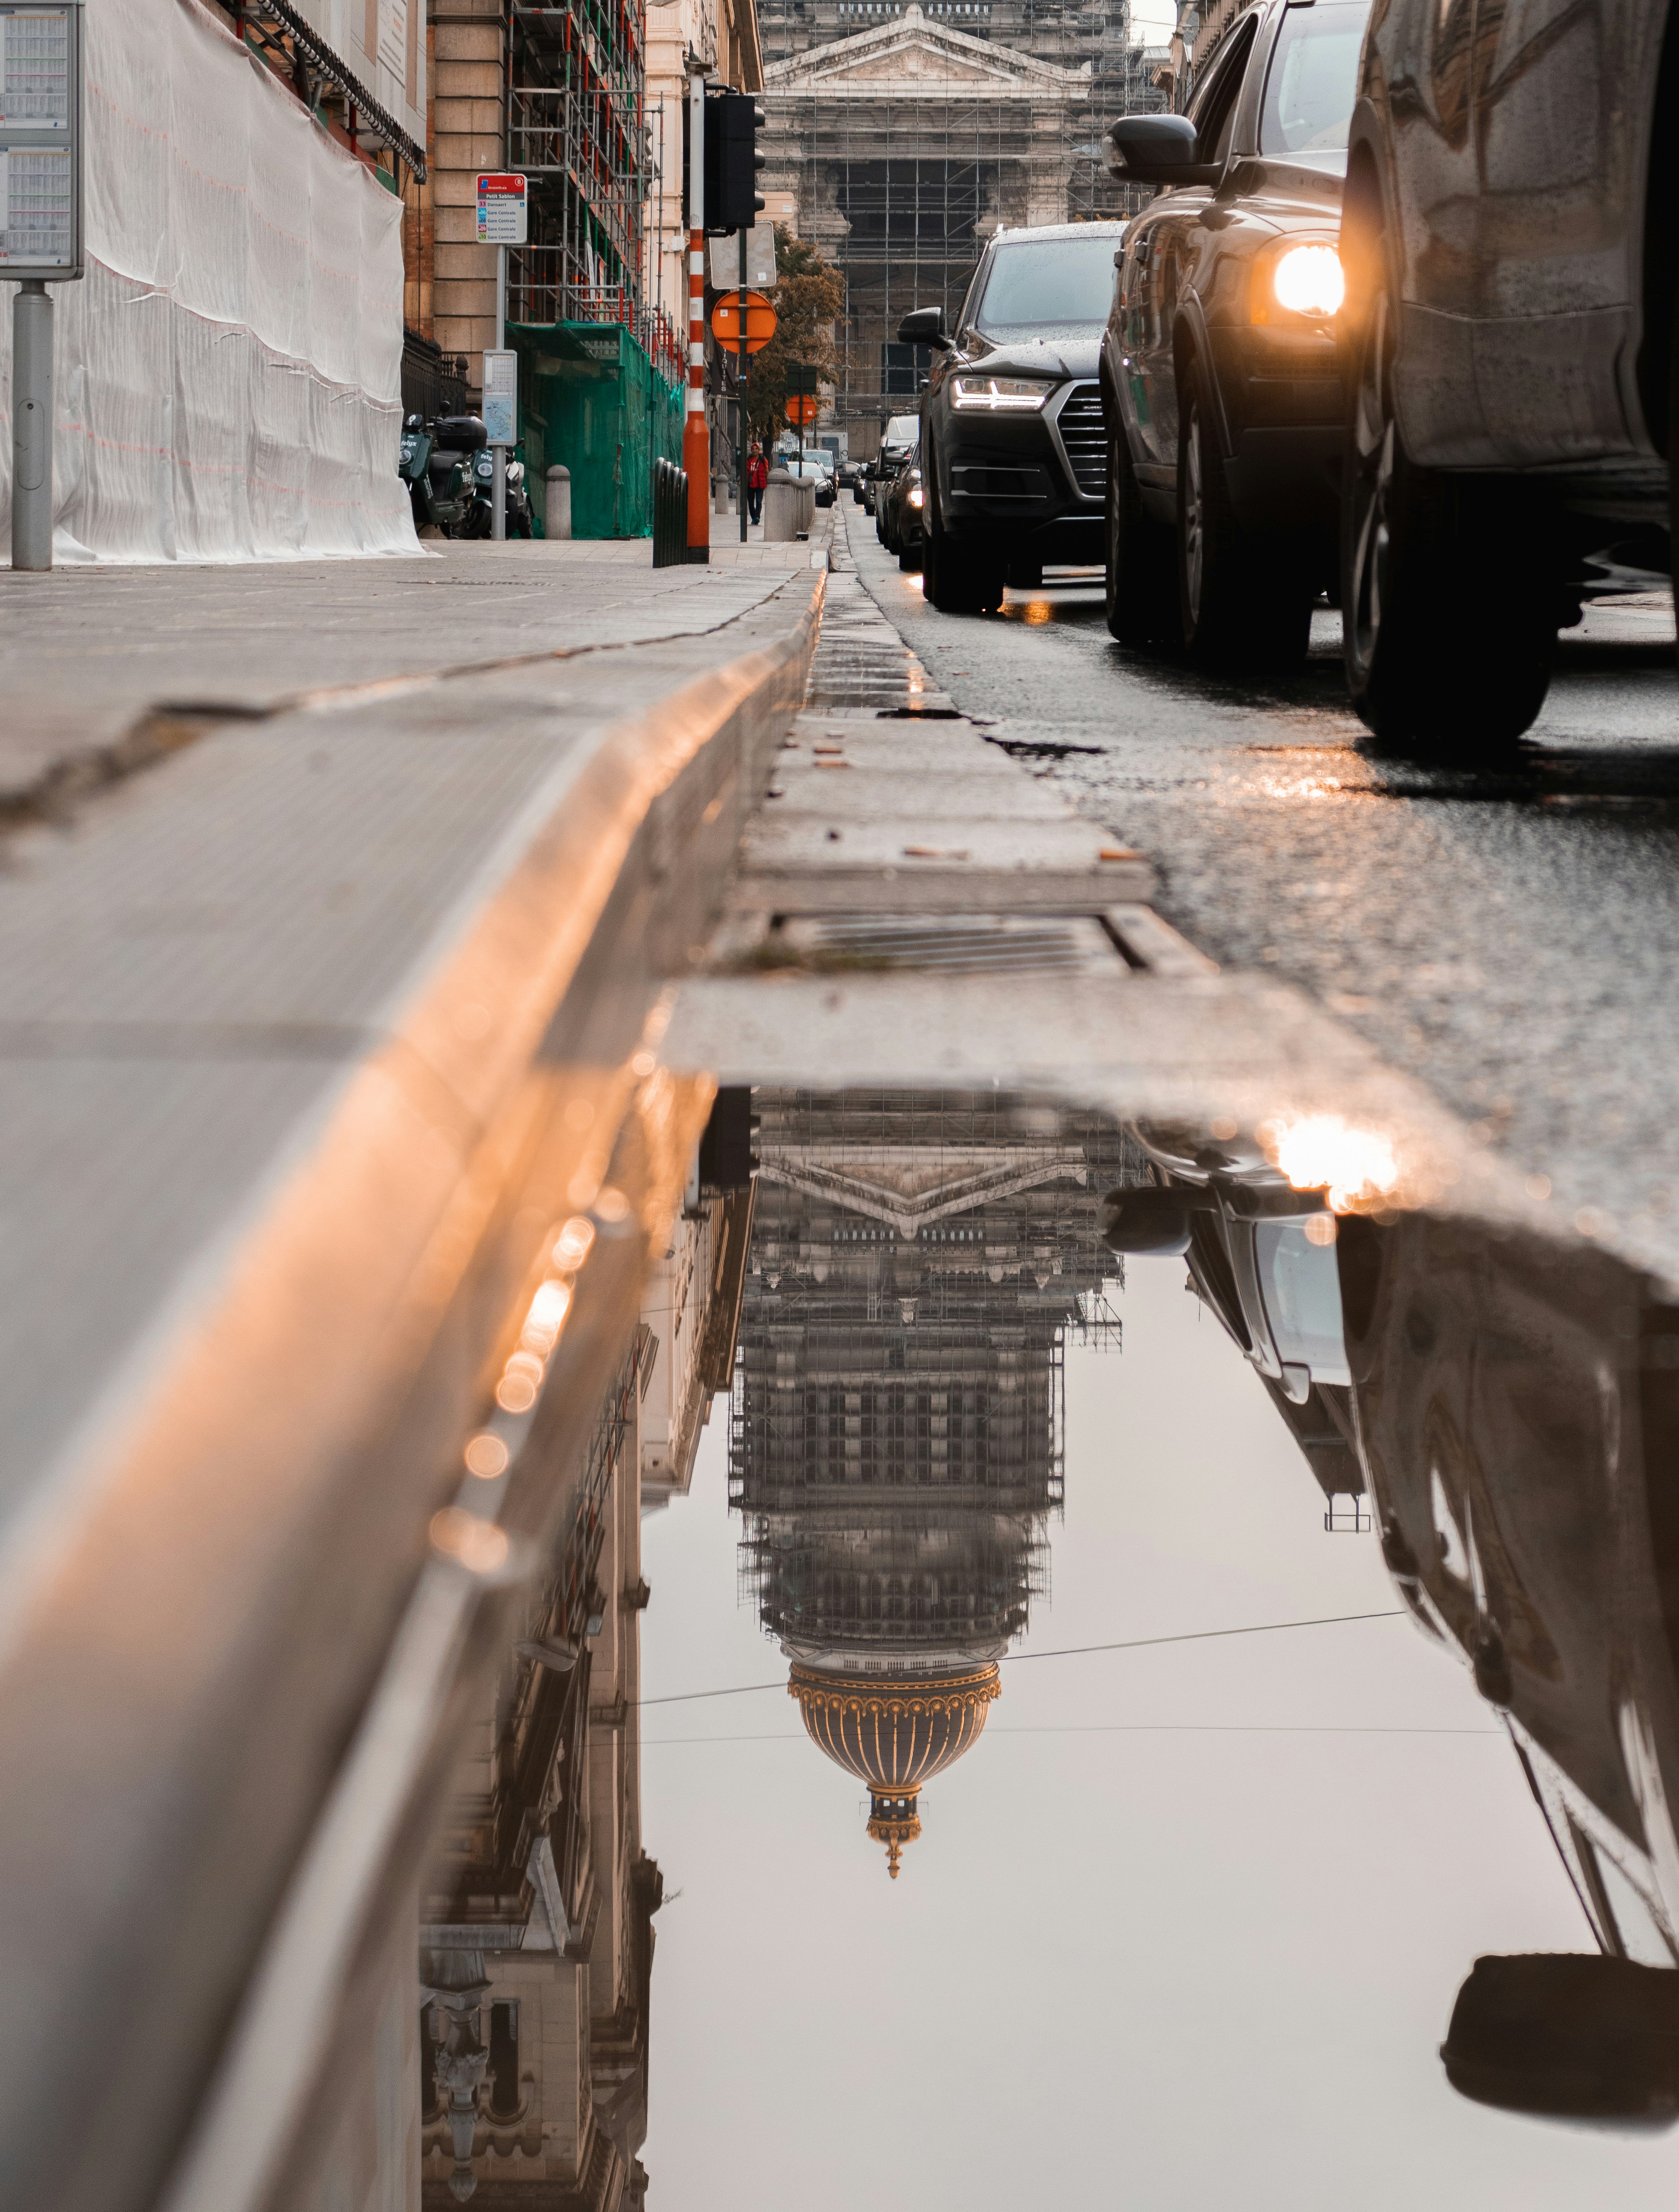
(895, 1733)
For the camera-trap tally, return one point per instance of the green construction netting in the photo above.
(590, 399)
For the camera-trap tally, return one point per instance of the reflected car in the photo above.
(1517, 1405)
(1220, 375)
(1262, 1258)
(1012, 439)
(1512, 247)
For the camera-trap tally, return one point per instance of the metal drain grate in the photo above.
(957, 944)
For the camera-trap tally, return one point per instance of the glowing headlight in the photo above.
(1307, 280)
(1001, 395)
(916, 496)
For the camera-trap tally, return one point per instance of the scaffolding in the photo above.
(919, 1262)
(902, 175)
(576, 126)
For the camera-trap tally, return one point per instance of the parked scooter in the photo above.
(479, 521)
(435, 465)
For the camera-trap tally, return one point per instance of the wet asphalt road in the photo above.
(1511, 940)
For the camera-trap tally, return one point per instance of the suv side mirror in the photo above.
(924, 326)
(1569, 2036)
(1157, 149)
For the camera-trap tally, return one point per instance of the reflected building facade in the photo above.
(919, 1262)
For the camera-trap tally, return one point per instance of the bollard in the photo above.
(670, 514)
(781, 505)
(32, 426)
(556, 516)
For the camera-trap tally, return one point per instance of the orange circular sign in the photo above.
(760, 322)
(803, 410)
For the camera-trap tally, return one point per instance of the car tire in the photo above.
(1240, 603)
(1025, 575)
(1140, 581)
(1419, 684)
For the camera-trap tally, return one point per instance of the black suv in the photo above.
(1014, 457)
(1221, 372)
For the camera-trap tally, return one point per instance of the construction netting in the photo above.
(592, 401)
(228, 373)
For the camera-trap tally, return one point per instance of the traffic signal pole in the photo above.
(745, 435)
(696, 437)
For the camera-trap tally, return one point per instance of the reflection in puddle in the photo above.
(919, 1263)
(1233, 1841)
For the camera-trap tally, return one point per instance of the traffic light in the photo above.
(732, 121)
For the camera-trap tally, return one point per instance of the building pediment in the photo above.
(910, 55)
(910, 1187)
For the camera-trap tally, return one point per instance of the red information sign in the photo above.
(502, 209)
(760, 322)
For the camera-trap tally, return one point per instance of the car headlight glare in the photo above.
(1000, 395)
(1308, 280)
(916, 496)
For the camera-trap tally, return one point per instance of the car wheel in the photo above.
(1240, 605)
(909, 555)
(1025, 575)
(1417, 681)
(1140, 584)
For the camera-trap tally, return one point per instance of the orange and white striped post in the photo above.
(696, 434)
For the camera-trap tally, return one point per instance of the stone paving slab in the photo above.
(89, 655)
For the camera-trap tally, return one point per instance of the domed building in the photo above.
(918, 1261)
(895, 1734)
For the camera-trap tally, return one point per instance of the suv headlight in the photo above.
(1304, 279)
(1000, 395)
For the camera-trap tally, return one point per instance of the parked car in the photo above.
(889, 468)
(901, 511)
(1511, 247)
(1220, 375)
(811, 470)
(1013, 442)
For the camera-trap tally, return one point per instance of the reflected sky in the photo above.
(1183, 1926)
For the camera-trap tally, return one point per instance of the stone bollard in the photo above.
(783, 507)
(556, 516)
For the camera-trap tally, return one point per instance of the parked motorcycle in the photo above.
(436, 463)
(479, 523)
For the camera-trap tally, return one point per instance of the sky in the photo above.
(1185, 1926)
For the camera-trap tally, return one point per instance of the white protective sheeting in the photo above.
(227, 374)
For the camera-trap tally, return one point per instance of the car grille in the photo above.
(1086, 438)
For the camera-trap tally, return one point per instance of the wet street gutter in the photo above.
(1506, 941)
(309, 1039)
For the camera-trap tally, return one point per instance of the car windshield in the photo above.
(1300, 1284)
(1055, 280)
(902, 430)
(1313, 79)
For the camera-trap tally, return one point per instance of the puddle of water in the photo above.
(1150, 1616)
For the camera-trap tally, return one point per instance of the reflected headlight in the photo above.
(1308, 280)
(1001, 395)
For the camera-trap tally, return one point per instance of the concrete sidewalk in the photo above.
(309, 1035)
(102, 667)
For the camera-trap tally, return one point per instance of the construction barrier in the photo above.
(590, 399)
(227, 377)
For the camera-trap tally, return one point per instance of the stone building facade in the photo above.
(907, 134)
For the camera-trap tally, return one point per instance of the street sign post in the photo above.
(40, 237)
(500, 389)
(760, 321)
(503, 221)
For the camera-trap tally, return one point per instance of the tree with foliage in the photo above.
(809, 299)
